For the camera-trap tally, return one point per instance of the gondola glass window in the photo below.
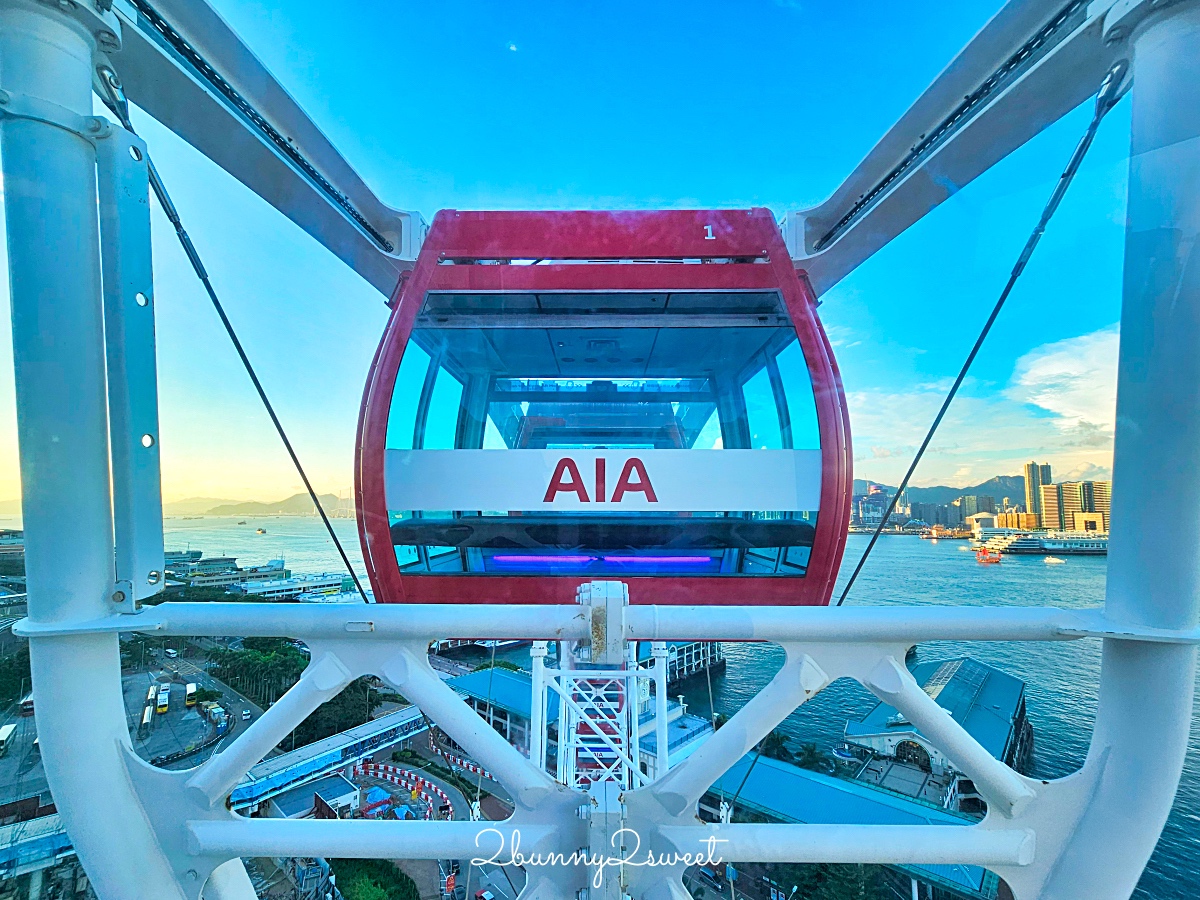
(603, 435)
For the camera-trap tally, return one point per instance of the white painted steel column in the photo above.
(658, 649)
(1153, 572)
(58, 348)
(633, 706)
(537, 708)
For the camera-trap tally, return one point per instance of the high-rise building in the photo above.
(1102, 492)
(1064, 505)
(1073, 497)
(1013, 519)
(1050, 507)
(1036, 475)
(972, 504)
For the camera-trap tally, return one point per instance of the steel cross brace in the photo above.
(1027, 819)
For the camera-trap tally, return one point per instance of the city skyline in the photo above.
(1042, 388)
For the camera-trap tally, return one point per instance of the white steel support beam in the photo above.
(1144, 714)
(537, 720)
(159, 76)
(798, 680)
(1003, 788)
(594, 729)
(51, 209)
(384, 623)
(423, 687)
(867, 844)
(322, 680)
(360, 839)
(1030, 65)
(658, 650)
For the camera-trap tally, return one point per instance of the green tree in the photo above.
(798, 881)
(15, 679)
(266, 668)
(204, 695)
(499, 664)
(361, 887)
(372, 879)
(353, 706)
(850, 882)
(262, 674)
(774, 746)
(206, 594)
(812, 757)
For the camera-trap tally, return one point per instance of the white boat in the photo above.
(1053, 561)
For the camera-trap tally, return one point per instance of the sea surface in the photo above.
(1061, 677)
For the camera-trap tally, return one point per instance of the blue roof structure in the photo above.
(504, 689)
(782, 792)
(275, 775)
(33, 843)
(982, 699)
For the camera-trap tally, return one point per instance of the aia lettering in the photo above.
(567, 479)
(625, 484)
(558, 481)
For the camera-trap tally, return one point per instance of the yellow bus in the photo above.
(190, 696)
(164, 698)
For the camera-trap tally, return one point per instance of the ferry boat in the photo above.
(1061, 543)
(987, 557)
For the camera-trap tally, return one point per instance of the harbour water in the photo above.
(1061, 677)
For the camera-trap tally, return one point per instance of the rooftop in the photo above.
(680, 730)
(786, 793)
(982, 699)
(504, 689)
(32, 843)
(299, 800)
(275, 774)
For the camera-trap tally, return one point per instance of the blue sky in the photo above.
(637, 105)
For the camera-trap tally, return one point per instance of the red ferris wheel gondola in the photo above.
(561, 397)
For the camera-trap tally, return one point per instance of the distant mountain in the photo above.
(194, 506)
(1012, 486)
(296, 505)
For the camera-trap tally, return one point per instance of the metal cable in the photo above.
(1070, 16)
(114, 98)
(178, 47)
(1111, 90)
(754, 762)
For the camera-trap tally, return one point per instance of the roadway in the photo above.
(179, 726)
(21, 773)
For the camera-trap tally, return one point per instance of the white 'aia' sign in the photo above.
(603, 480)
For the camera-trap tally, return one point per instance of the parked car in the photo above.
(713, 877)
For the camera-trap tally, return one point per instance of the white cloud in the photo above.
(1085, 472)
(1057, 408)
(1075, 380)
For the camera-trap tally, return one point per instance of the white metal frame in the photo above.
(147, 833)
